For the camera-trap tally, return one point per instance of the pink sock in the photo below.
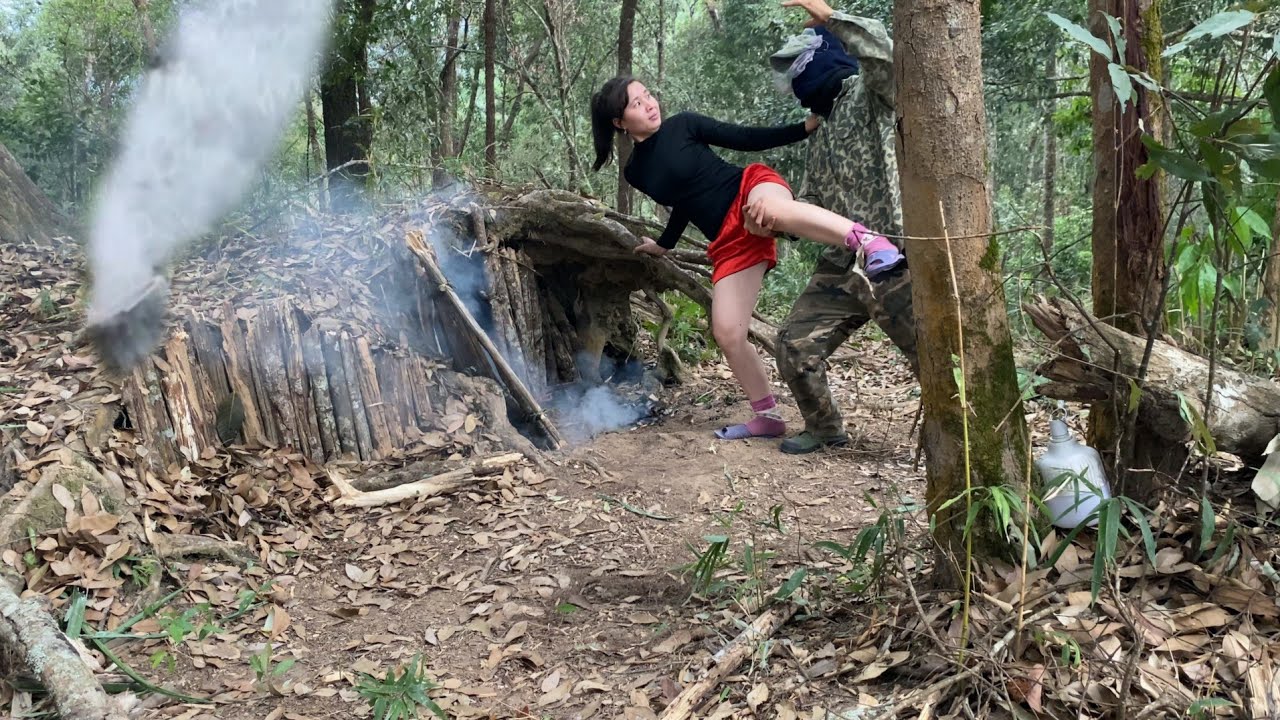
(860, 237)
(767, 420)
(765, 426)
(768, 402)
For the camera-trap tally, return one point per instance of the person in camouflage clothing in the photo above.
(851, 169)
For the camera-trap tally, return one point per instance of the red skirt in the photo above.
(735, 249)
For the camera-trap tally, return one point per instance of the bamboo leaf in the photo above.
(1079, 34)
(1207, 522)
(1117, 35)
(1214, 26)
(1121, 83)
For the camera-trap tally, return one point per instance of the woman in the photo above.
(673, 164)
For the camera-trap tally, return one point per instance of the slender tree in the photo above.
(974, 434)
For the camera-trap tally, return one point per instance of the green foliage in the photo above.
(400, 692)
(872, 548)
(266, 669)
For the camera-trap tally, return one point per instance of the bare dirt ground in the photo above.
(567, 597)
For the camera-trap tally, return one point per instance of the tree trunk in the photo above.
(1128, 219)
(348, 131)
(148, 33)
(626, 43)
(448, 102)
(662, 40)
(1271, 288)
(1050, 149)
(942, 148)
(1248, 407)
(26, 214)
(490, 99)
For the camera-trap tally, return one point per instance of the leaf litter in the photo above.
(532, 597)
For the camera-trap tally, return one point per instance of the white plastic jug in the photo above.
(1073, 480)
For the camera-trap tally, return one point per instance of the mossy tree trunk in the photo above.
(942, 148)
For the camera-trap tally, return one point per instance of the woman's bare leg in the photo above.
(732, 300)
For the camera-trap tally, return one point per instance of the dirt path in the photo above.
(565, 598)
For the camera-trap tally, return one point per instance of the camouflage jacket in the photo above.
(851, 164)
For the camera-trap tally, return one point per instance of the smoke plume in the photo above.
(204, 122)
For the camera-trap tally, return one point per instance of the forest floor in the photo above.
(605, 581)
(572, 598)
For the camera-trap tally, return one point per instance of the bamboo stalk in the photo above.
(417, 243)
(265, 342)
(343, 415)
(299, 384)
(358, 417)
(240, 377)
(321, 398)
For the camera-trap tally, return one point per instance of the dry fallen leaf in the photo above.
(758, 695)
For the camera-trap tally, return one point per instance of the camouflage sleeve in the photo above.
(869, 42)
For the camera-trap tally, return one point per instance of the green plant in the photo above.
(690, 335)
(707, 563)
(177, 627)
(265, 669)
(400, 693)
(871, 549)
(1109, 514)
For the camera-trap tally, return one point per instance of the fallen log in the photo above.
(1092, 358)
(447, 482)
(27, 628)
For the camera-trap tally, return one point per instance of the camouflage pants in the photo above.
(837, 302)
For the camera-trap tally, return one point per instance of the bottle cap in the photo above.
(1058, 430)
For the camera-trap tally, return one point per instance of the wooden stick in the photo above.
(190, 427)
(207, 347)
(326, 418)
(492, 465)
(358, 416)
(417, 242)
(393, 399)
(299, 387)
(343, 415)
(436, 485)
(373, 403)
(419, 374)
(267, 347)
(727, 660)
(262, 392)
(239, 377)
(146, 401)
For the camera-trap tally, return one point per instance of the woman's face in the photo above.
(642, 116)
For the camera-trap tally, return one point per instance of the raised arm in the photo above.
(741, 137)
(863, 38)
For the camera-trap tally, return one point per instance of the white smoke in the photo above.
(204, 122)
(586, 411)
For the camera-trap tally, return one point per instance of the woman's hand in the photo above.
(756, 219)
(811, 123)
(648, 247)
(819, 11)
